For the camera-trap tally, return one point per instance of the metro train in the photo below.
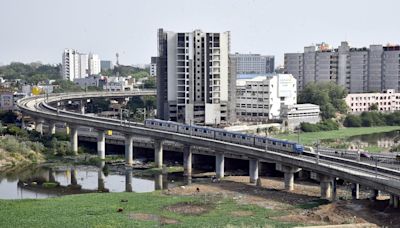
(227, 136)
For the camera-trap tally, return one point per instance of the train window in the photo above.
(273, 143)
(264, 141)
(195, 129)
(243, 137)
(224, 134)
(187, 128)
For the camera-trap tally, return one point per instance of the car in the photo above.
(365, 155)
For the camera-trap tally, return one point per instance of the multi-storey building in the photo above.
(70, 64)
(106, 65)
(387, 101)
(261, 98)
(375, 68)
(79, 65)
(194, 81)
(253, 63)
(153, 67)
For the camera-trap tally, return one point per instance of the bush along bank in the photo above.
(372, 119)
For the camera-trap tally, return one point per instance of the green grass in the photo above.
(309, 138)
(100, 210)
(374, 149)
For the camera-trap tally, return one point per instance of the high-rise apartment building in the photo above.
(106, 65)
(254, 63)
(194, 81)
(375, 68)
(79, 65)
(153, 67)
(94, 64)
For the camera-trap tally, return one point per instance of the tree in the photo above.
(66, 86)
(352, 121)
(374, 107)
(8, 117)
(329, 96)
(150, 83)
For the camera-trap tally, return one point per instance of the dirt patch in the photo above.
(152, 217)
(242, 213)
(188, 208)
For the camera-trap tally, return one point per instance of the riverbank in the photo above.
(135, 210)
(309, 138)
(233, 202)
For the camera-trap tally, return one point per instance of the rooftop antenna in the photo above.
(117, 70)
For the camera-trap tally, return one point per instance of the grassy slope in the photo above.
(311, 137)
(100, 210)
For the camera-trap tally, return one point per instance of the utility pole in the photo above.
(318, 151)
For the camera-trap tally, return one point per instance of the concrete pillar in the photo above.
(82, 109)
(74, 180)
(74, 139)
(374, 194)
(52, 175)
(253, 170)
(334, 189)
(101, 144)
(188, 180)
(355, 191)
(129, 150)
(52, 128)
(100, 178)
(326, 187)
(396, 202)
(289, 180)
(23, 126)
(391, 200)
(158, 153)
(187, 160)
(39, 126)
(128, 180)
(158, 181)
(219, 165)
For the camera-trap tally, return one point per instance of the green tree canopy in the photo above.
(329, 96)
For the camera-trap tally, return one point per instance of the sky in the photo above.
(40, 30)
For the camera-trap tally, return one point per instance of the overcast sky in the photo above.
(39, 30)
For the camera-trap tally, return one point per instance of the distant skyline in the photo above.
(40, 30)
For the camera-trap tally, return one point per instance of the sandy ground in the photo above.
(273, 196)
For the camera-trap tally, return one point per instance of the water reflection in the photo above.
(72, 180)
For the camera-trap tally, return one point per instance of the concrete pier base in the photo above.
(334, 189)
(74, 139)
(52, 128)
(391, 200)
(158, 181)
(355, 191)
(326, 187)
(158, 153)
(289, 181)
(129, 150)
(374, 194)
(187, 161)
(219, 165)
(39, 126)
(101, 144)
(395, 201)
(74, 180)
(128, 180)
(253, 170)
(101, 178)
(52, 176)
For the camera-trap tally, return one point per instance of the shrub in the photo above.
(352, 121)
(326, 125)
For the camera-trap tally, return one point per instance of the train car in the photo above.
(161, 125)
(202, 131)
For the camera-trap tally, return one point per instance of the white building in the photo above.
(294, 115)
(79, 65)
(93, 80)
(194, 84)
(261, 98)
(94, 64)
(114, 84)
(387, 101)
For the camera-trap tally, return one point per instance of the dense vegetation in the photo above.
(372, 119)
(30, 73)
(329, 96)
(123, 70)
(325, 125)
